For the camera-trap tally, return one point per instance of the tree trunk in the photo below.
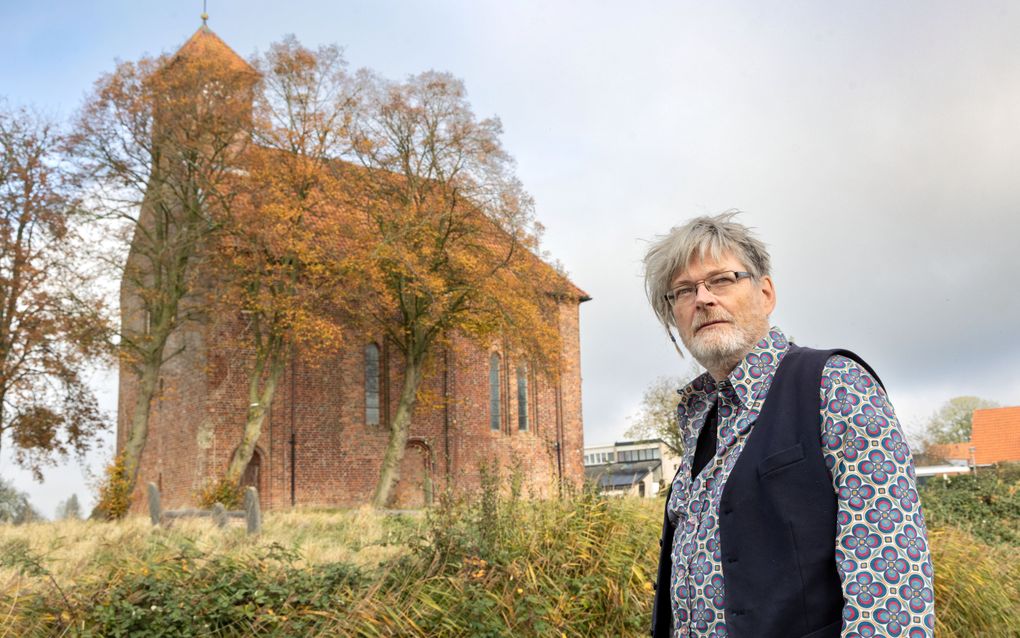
(259, 403)
(140, 420)
(399, 428)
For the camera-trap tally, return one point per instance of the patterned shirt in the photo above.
(881, 541)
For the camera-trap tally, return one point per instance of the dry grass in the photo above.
(73, 548)
(580, 567)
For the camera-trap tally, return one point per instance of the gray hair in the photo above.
(698, 238)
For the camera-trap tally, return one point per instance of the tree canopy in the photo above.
(951, 423)
(656, 416)
(267, 196)
(15, 506)
(53, 323)
(447, 240)
(157, 145)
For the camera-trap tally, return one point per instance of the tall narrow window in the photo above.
(494, 391)
(522, 398)
(371, 384)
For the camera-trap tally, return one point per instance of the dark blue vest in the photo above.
(777, 519)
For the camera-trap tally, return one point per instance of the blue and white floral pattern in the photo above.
(881, 546)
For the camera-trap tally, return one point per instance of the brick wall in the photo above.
(198, 418)
(995, 435)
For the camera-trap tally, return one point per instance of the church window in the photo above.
(372, 384)
(522, 397)
(494, 391)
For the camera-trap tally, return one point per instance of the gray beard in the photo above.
(723, 348)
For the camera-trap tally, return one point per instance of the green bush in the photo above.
(986, 504)
(184, 592)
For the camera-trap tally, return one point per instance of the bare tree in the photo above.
(656, 417)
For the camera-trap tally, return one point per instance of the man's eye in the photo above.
(684, 292)
(721, 280)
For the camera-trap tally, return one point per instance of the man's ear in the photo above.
(768, 292)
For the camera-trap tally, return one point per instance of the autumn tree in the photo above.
(281, 263)
(53, 326)
(450, 238)
(656, 416)
(158, 142)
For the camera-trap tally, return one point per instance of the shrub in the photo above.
(501, 566)
(986, 504)
(114, 492)
(230, 495)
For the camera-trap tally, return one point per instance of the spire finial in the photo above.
(205, 14)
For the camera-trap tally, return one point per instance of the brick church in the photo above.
(323, 440)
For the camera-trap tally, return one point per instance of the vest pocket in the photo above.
(780, 459)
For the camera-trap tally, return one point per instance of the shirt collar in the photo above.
(749, 381)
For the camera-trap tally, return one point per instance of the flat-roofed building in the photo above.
(630, 468)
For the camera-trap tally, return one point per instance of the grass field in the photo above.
(500, 566)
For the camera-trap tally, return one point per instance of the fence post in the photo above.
(219, 514)
(155, 512)
(252, 513)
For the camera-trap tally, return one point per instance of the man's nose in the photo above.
(702, 295)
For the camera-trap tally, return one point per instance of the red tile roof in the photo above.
(952, 451)
(205, 43)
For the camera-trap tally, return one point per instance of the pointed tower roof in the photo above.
(206, 44)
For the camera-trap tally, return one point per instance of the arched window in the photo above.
(522, 397)
(371, 384)
(494, 391)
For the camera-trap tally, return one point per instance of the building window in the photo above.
(522, 398)
(598, 458)
(494, 391)
(372, 384)
(646, 454)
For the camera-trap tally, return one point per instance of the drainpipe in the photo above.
(293, 437)
(559, 433)
(447, 382)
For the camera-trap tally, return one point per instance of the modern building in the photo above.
(630, 468)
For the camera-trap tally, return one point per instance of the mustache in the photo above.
(702, 319)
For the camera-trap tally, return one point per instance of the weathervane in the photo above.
(205, 15)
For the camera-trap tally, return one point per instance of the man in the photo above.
(784, 519)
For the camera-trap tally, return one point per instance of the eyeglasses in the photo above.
(717, 284)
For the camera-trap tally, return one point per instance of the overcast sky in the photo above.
(875, 146)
